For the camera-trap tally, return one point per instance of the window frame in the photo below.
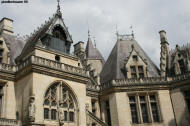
(64, 91)
(147, 102)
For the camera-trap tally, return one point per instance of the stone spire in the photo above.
(164, 53)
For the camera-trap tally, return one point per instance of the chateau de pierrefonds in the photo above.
(43, 84)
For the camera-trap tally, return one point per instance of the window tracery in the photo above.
(59, 103)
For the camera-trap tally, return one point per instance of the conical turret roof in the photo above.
(92, 52)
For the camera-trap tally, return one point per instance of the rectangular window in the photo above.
(141, 75)
(134, 113)
(155, 112)
(71, 116)
(139, 107)
(65, 115)
(154, 107)
(133, 72)
(53, 114)
(187, 98)
(135, 58)
(46, 113)
(133, 69)
(140, 69)
(108, 113)
(133, 75)
(133, 107)
(144, 112)
(93, 108)
(1, 42)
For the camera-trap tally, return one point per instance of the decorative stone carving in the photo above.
(164, 53)
(61, 116)
(32, 109)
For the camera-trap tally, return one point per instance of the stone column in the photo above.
(164, 53)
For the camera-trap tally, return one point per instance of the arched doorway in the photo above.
(60, 105)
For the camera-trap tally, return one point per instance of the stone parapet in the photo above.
(51, 64)
(8, 122)
(7, 67)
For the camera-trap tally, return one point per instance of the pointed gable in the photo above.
(37, 37)
(117, 59)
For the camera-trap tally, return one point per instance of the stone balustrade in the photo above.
(7, 67)
(8, 122)
(44, 62)
(93, 87)
(57, 65)
(134, 81)
(144, 81)
(181, 77)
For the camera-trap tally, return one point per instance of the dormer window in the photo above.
(137, 71)
(135, 58)
(59, 33)
(133, 72)
(141, 71)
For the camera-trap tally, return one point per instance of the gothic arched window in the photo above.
(59, 103)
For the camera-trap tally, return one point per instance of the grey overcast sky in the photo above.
(147, 17)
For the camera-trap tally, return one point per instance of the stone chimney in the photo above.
(164, 54)
(79, 50)
(6, 26)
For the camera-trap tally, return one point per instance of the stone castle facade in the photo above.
(43, 84)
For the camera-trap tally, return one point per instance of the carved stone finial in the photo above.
(113, 82)
(58, 8)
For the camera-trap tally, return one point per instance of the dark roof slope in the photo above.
(15, 45)
(116, 60)
(92, 52)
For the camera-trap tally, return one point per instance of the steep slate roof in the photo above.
(34, 39)
(15, 45)
(116, 61)
(92, 52)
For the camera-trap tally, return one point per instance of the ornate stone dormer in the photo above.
(180, 60)
(164, 53)
(135, 65)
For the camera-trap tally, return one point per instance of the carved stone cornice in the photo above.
(51, 68)
(7, 75)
